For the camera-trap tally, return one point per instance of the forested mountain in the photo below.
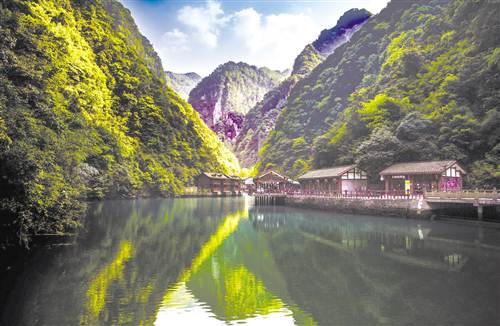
(182, 84)
(418, 81)
(85, 113)
(260, 120)
(229, 92)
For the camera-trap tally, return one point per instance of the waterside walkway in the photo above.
(391, 203)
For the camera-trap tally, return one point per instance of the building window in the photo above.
(451, 172)
(354, 174)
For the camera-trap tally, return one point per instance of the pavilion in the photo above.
(218, 183)
(272, 181)
(415, 177)
(338, 179)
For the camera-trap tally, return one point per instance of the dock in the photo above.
(425, 204)
(477, 198)
(272, 199)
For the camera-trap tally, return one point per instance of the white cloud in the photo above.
(274, 40)
(247, 23)
(206, 21)
(264, 40)
(205, 36)
(175, 40)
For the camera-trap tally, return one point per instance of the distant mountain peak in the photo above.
(225, 96)
(193, 75)
(182, 84)
(347, 21)
(329, 40)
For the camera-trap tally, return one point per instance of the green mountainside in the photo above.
(85, 113)
(419, 81)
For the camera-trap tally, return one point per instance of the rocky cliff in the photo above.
(229, 92)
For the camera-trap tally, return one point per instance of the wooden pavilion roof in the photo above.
(220, 176)
(332, 172)
(428, 167)
(273, 176)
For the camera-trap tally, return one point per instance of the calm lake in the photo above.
(223, 261)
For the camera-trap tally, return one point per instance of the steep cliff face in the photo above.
(348, 23)
(418, 81)
(182, 84)
(328, 40)
(85, 113)
(229, 92)
(261, 119)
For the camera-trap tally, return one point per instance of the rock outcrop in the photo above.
(229, 92)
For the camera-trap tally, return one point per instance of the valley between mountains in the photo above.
(88, 111)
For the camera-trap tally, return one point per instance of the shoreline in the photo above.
(400, 208)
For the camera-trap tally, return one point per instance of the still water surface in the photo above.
(223, 261)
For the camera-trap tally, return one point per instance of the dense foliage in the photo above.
(85, 114)
(419, 81)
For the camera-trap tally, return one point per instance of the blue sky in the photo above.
(200, 35)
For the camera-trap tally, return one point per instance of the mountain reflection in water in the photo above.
(222, 261)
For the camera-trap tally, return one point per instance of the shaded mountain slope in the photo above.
(418, 81)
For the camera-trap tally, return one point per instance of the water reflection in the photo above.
(221, 261)
(364, 270)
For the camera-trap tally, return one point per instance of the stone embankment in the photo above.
(408, 208)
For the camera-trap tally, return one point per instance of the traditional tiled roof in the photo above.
(431, 167)
(216, 175)
(332, 172)
(271, 172)
(220, 176)
(264, 178)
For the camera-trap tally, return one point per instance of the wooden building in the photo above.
(338, 179)
(272, 181)
(218, 183)
(416, 177)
